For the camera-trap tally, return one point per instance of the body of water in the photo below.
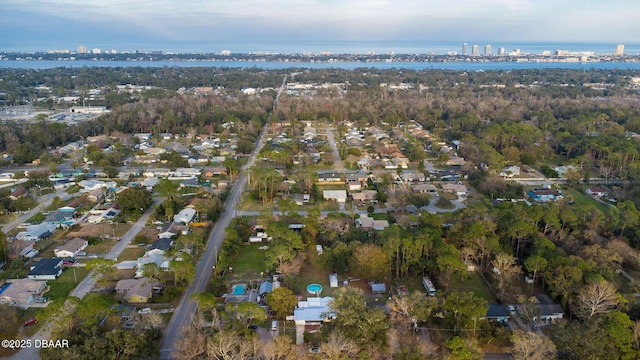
(465, 66)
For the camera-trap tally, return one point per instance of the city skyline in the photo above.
(54, 22)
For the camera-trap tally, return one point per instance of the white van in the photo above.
(274, 325)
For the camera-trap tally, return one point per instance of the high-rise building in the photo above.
(82, 49)
(501, 51)
(475, 50)
(464, 49)
(96, 51)
(487, 50)
(620, 49)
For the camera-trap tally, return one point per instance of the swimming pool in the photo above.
(4, 287)
(239, 289)
(315, 289)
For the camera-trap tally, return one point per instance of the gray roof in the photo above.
(47, 267)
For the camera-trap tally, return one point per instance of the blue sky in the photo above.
(49, 24)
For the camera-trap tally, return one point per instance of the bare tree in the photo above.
(597, 298)
(505, 268)
(532, 346)
(192, 345)
(338, 346)
(280, 348)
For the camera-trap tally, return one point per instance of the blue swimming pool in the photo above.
(239, 289)
(4, 287)
(315, 289)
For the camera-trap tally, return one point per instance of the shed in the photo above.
(378, 288)
(333, 280)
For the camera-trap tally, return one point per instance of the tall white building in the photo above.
(620, 49)
(501, 51)
(82, 49)
(464, 49)
(487, 50)
(475, 50)
(96, 51)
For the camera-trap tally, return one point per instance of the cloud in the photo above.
(337, 19)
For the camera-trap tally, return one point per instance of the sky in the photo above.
(52, 24)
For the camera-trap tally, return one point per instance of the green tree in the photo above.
(4, 248)
(355, 321)
(464, 309)
(134, 200)
(246, 312)
(281, 301)
(370, 261)
(101, 267)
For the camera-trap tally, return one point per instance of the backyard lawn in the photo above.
(581, 199)
(249, 263)
(472, 282)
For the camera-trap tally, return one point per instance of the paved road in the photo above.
(44, 200)
(89, 282)
(186, 308)
(337, 160)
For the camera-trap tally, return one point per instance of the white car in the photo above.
(144, 311)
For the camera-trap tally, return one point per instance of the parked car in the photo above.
(30, 322)
(144, 311)
(253, 327)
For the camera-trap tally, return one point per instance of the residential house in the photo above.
(155, 256)
(367, 223)
(22, 292)
(265, 288)
(300, 199)
(36, 232)
(95, 195)
(157, 172)
(354, 185)
(185, 216)
(211, 171)
(197, 159)
(457, 189)
(62, 217)
(147, 159)
(497, 312)
(218, 159)
(378, 288)
(364, 195)
(544, 195)
(99, 216)
(190, 183)
(17, 193)
(163, 244)
(596, 191)
(548, 310)
(412, 176)
(329, 177)
(90, 185)
(46, 269)
(335, 195)
(310, 314)
(136, 290)
(187, 172)
(449, 176)
(173, 229)
(129, 173)
(424, 188)
(71, 248)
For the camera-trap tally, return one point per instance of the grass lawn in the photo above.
(581, 199)
(131, 253)
(249, 203)
(472, 282)
(381, 216)
(249, 263)
(62, 286)
(101, 247)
